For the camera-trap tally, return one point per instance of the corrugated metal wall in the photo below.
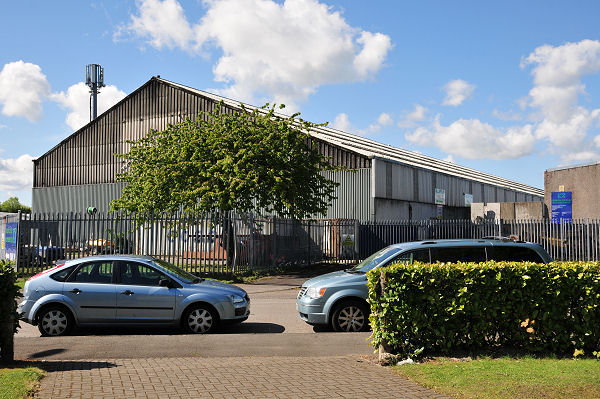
(353, 195)
(397, 181)
(354, 200)
(65, 199)
(87, 156)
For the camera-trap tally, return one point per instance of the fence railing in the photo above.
(231, 243)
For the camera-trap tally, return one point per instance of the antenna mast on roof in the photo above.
(94, 78)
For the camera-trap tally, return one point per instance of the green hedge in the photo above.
(9, 318)
(442, 308)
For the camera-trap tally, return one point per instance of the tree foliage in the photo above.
(12, 205)
(242, 161)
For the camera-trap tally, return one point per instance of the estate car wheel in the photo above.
(350, 316)
(55, 321)
(200, 319)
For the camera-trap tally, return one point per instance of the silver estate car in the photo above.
(339, 299)
(128, 290)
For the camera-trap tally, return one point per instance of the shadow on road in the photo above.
(63, 365)
(242, 328)
(253, 328)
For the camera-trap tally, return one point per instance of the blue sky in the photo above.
(511, 88)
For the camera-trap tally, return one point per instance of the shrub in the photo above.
(447, 307)
(9, 318)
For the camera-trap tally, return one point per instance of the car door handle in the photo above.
(75, 291)
(127, 292)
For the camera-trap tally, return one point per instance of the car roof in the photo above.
(108, 257)
(490, 241)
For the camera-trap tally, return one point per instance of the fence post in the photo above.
(19, 243)
(274, 242)
(356, 233)
(251, 249)
(308, 236)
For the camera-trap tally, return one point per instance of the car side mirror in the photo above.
(165, 282)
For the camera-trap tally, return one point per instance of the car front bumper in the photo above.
(311, 313)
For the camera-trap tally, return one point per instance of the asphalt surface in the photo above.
(273, 329)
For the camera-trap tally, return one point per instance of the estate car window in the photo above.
(515, 254)
(456, 254)
(419, 255)
(95, 272)
(138, 274)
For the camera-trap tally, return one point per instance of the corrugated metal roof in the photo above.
(374, 149)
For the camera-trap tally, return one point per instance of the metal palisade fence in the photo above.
(232, 243)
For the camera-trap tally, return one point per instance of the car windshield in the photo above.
(174, 271)
(374, 260)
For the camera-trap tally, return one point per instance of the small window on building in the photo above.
(458, 254)
(513, 253)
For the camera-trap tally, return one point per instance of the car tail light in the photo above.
(46, 271)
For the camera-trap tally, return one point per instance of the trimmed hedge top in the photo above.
(444, 307)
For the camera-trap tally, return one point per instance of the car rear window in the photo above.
(62, 275)
(513, 253)
(458, 254)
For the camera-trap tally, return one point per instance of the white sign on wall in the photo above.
(440, 196)
(468, 199)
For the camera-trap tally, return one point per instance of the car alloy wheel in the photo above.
(54, 322)
(350, 316)
(200, 320)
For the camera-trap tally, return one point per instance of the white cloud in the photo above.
(16, 174)
(77, 101)
(558, 72)
(161, 23)
(450, 159)
(410, 118)
(23, 87)
(341, 122)
(385, 119)
(507, 115)
(473, 139)
(457, 91)
(282, 52)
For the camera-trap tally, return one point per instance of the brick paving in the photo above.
(241, 377)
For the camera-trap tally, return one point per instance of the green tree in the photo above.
(13, 205)
(242, 161)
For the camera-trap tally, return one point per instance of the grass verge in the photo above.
(508, 378)
(19, 382)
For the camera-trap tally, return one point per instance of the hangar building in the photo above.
(389, 183)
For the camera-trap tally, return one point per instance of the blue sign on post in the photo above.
(11, 240)
(562, 206)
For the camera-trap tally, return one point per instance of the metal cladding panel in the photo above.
(425, 186)
(477, 191)
(353, 195)
(456, 194)
(521, 197)
(66, 199)
(380, 178)
(402, 182)
(489, 193)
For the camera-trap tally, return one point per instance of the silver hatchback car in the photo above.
(128, 290)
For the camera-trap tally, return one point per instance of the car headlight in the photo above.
(237, 299)
(315, 292)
